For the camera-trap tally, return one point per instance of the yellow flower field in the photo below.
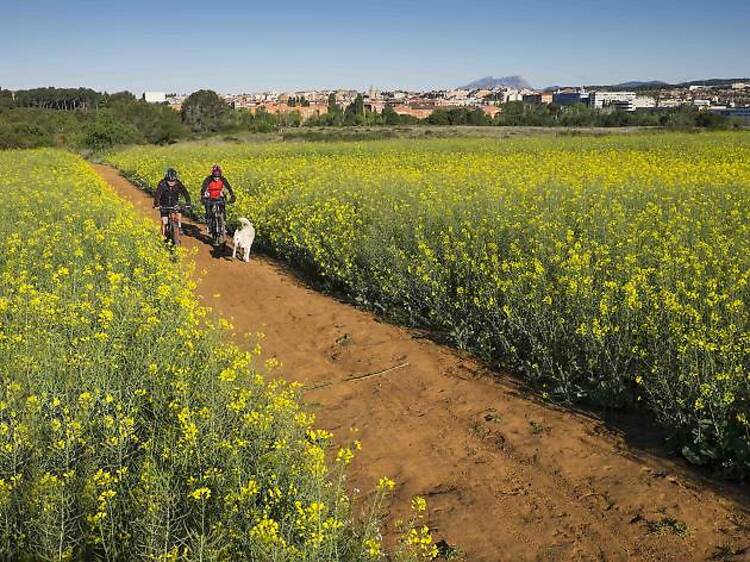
(608, 270)
(129, 428)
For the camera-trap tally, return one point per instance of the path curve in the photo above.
(506, 477)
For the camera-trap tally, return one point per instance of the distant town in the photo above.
(82, 117)
(728, 98)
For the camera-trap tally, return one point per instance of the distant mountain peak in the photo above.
(489, 82)
(639, 84)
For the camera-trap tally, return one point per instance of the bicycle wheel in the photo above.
(216, 224)
(169, 235)
(223, 232)
(173, 233)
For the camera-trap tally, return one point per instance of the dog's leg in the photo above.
(247, 254)
(234, 250)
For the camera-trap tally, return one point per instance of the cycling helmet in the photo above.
(171, 174)
(216, 171)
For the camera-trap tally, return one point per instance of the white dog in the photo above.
(244, 238)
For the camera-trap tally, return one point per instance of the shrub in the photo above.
(105, 130)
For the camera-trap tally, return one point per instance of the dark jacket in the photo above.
(207, 182)
(170, 196)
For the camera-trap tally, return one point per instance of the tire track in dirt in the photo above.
(506, 477)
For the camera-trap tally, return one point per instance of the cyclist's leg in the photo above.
(164, 220)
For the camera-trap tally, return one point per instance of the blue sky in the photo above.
(235, 46)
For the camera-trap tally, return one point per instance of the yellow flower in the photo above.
(200, 494)
(385, 484)
(418, 504)
(267, 531)
(372, 548)
(344, 455)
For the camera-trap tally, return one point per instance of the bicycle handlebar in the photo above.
(174, 209)
(207, 201)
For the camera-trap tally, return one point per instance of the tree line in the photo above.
(205, 112)
(66, 99)
(84, 119)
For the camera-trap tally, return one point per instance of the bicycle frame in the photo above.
(216, 223)
(172, 230)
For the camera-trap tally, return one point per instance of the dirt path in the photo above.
(506, 478)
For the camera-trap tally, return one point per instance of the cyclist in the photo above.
(168, 194)
(213, 190)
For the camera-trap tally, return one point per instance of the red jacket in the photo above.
(213, 188)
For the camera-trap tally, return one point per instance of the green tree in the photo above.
(333, 107)
(390, 117)
(261, 121)
(204, 111)
(64, 99)
(359, 105)
(711, 120)
(439, 117)
(166, 128)
(292, 119)
(6, 99)
(106, 130)
(680, 119)
(123, 97)
(513, 113)
(355, 112)
(578, 115)
(478, 117)
(24, 135)
(157, 123)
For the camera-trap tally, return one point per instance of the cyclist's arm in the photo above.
(229, 189)
(204, 187)
(158, 194)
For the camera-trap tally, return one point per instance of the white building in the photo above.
(644, 102)
(622, 100)
(671, 103)
(511, 94)
(155, 97)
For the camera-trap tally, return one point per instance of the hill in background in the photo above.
(640, 84)
(658, 84)
(489, 82)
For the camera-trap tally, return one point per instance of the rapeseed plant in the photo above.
(607, 270)
(129, 428)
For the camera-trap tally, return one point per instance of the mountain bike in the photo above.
(217, 228)
(172, 232)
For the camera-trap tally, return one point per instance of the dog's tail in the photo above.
(244, 222)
